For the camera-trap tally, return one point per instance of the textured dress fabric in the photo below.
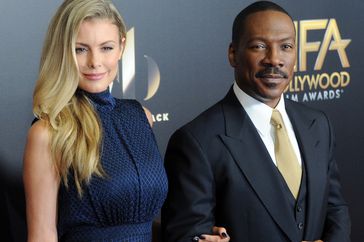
(121, 205)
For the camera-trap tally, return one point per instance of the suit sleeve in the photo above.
(337, 222)
(188, 210)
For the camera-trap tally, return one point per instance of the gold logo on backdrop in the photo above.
(316, 85)
(125, 88)
(127, 81)
(332, 41)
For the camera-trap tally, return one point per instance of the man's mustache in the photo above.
(267, 72)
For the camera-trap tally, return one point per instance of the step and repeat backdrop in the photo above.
(177, 61)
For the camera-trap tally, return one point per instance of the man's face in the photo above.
(265, 56)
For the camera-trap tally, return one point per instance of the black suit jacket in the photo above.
(220, 173)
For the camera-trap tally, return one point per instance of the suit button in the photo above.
(299, 209)
(300, 226)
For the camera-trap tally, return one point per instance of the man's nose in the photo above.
(273, 58)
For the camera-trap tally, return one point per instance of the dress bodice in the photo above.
(121, 205)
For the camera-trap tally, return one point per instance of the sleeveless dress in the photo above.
(121, 205)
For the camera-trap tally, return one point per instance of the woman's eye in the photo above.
(107, 48)
(80, 50)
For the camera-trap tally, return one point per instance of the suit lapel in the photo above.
(252, 157)
(305, 128)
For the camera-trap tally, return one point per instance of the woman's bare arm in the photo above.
(41, 183)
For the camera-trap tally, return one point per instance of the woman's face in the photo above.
(98, 50)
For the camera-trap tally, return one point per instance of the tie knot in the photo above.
(276, 119)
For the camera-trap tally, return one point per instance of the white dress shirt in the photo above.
(260, 114)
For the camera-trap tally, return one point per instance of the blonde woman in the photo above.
(92, 169)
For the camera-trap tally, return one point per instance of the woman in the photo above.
(92, 169)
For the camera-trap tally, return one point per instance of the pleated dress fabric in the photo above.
(120, 206)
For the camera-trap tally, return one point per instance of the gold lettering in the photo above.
(302, 82)
(332, 32)
(313, 82)
(293, 87)
(332, 80)
(305, 46)
(296, 41)
(321, 80)
(345, 78)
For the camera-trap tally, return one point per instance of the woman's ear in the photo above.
(122, 47)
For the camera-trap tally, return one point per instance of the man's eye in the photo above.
(287, 46)
(258, 46)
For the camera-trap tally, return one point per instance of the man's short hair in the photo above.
(239, 22)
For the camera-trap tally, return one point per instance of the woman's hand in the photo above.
(219, 235)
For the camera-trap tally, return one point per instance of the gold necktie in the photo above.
(286, 158)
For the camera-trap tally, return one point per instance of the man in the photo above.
(228, 167)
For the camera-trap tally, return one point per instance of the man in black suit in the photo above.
(224, 167)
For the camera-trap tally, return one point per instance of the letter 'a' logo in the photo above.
(125, 88)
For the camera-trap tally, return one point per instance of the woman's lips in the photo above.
(94, 76)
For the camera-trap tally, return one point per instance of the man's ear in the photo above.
(231, 55)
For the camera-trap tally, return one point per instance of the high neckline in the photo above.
(102, 101)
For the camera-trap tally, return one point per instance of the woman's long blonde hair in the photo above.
(75, 128)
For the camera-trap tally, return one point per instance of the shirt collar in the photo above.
(259, 113)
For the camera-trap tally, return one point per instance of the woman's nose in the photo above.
(94, 60)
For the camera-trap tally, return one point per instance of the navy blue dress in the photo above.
(122, 205)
